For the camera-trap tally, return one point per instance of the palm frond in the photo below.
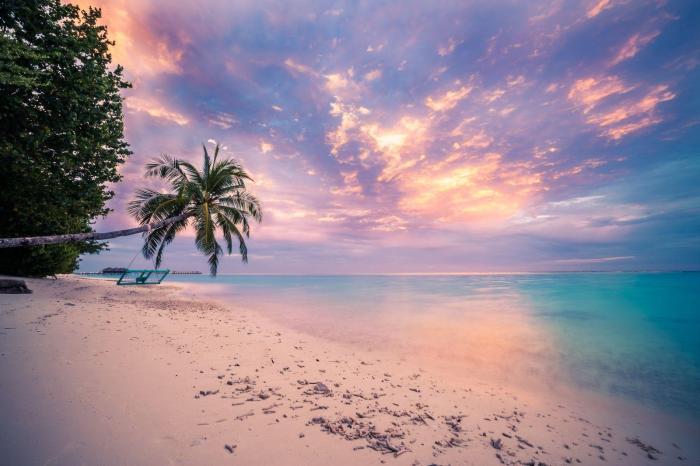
(194, 175)
(214, 260)
(168, 238)
(228, 228)
(236, 217)
(216, 153)
(245, 202)
(151, 205)
(205, 239)
(207, 162)
(168, 168)
(226, 177)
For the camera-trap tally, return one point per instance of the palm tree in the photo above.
(211, 199)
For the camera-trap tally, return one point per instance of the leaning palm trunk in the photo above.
(71, 238)
(213, 198)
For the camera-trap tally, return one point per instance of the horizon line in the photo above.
(545, 272)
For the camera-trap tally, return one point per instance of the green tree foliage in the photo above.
(61, 130)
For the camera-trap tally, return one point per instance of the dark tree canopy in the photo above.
(61, 130)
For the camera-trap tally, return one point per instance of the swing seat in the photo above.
(142, 277)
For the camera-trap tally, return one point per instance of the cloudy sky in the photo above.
(421, 136)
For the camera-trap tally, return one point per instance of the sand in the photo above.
(92, 373)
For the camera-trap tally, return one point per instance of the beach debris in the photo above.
(305, 382)
(319, 388)
(230, 448)
(43, 319)
(206, 393)
(271, 409)
(351, 429)
(420, 419)
(348, 395)
(451, 442)
(393, 412)
(454, 423)
(648, 449)
(525, 442)
(243, 416)
(597, 447)
(497, 443)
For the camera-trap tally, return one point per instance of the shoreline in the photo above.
(153, 377)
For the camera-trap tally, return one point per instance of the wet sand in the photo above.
(93, 373)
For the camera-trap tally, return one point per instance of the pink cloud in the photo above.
(598, 7)
(633, 45)
(589, 92)
(155, 109)
(449, 99)
(632, 115)
(141, 51)
(448, 48)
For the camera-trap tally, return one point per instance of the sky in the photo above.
(422, 136)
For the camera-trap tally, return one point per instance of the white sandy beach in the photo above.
(92, 373)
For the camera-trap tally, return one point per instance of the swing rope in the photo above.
(133, 259)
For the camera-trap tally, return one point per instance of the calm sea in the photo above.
(630, 335)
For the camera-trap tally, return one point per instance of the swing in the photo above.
(142, 276)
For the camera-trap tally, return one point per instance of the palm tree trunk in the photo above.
(70, 238)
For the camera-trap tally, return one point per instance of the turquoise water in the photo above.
(631, 335)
